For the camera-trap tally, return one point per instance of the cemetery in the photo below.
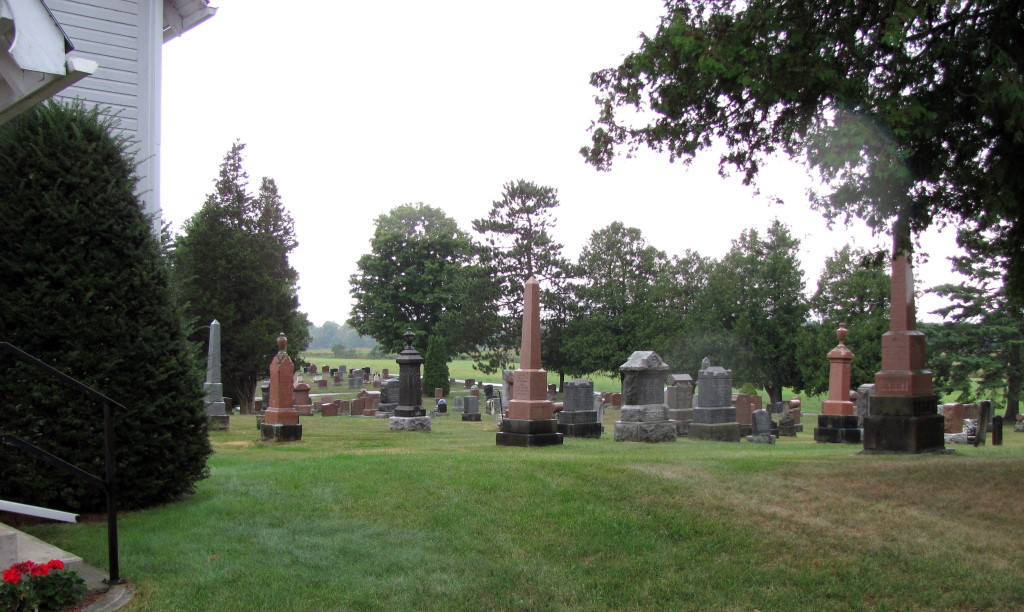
(590, 465)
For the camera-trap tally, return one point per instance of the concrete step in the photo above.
(16, 546)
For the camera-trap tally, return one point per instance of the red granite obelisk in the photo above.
(530, 419)
(281, 419)
(837, 421)
(904, 416)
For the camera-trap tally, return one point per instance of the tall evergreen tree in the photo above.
(517, 245)
(85, 288)
(435, 366)
(232, 265)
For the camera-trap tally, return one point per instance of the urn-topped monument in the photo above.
(409, 414)
(281, 419)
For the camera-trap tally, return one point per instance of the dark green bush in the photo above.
(84, 287)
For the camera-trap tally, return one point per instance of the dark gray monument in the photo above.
(714, 416)
(409, 414)
(578, 418)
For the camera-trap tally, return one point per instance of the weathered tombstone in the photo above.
(679, 399)
(342, 369)
(372, 402)
(1018, 427)
(438, 393)
(441, 408)
(302, 402)
(356, 407)
(281, 419)
(903, 417)
(217, 418)
(507, 378)
(714, 417)
(471, 408)
(530, 420)
(578, 418)
(460, 403)
(328, 407)
(321, 382)
(744, 405)
(337, 379)
(409, 414)
(837, 422)
(863, 405)
(488, 391)
(389, 398)
(953, 418)
(644, 415)
(761, 427)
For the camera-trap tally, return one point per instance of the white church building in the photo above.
(104, 52)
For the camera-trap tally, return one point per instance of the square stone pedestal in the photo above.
(416, 423)
(837, 428)
(277, 432)
(645, 431)
(910, 424)
(715, 432)
(218, 422)
(525, 432)
(470, 416)
(579, 424)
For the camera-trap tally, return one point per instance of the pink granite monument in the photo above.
(904, 416)
(281, 419)
(838, 419)
(530, 418)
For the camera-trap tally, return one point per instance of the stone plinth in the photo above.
(470, 408)
(419, 423)
(644, 415)
(529, 432)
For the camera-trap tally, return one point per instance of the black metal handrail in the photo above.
(108, 484)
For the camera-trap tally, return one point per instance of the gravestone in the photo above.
(409, 414)
(679, 399)
(953, 418)
(903, 418)
(997, 430)
(1018, 427)
(644, 415)
(371, 402)
(761, 427)
(328, 407)
(507, 380)
(984, 418)
(837, 422)
(744, 405)
(441, 409)
(217, 418)
(460, 403)
(389, 398)
(302, 402)
(578, 418)
(530, 420)
(471, 408)
(863, 405)
(281, 419)
(714, 416)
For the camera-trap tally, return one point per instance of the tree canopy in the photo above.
(231, 264)
(912, 112)
(412, 275)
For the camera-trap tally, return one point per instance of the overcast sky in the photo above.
(354, 108)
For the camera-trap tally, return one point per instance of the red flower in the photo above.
(24, 567)
(40, 570)
(56, 564)
(12, 576)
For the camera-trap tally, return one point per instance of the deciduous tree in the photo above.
(910, 111)
(410, 279)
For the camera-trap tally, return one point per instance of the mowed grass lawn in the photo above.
(356, 517)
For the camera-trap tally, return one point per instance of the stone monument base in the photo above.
(218, 422)
(837, 429)
(715, 432)
(645, 431)
(418, 423)
(900, 427)
(761, 438)
(579, 424)
(470, 416)
(276, 432)
(524, 432)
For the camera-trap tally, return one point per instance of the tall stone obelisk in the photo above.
(213, 389)
(409, 414)
(281, 419)
(904, 416)
(530, 420)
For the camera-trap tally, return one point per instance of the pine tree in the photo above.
(232, 266)
(435, 366)
(85, 288)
